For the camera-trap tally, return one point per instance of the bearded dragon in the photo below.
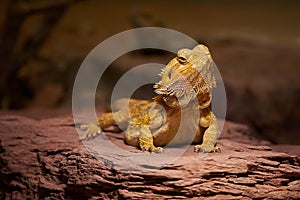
(183, 92)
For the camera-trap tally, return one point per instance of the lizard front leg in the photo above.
(146, 140)
(210, 136)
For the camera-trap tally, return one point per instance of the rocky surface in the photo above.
(44, 159)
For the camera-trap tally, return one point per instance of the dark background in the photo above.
(255, 44)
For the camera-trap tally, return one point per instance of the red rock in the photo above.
(44, 159)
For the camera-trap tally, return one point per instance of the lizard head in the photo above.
(186, 77)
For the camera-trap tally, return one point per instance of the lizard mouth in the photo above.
(164, 91)
(168, 91)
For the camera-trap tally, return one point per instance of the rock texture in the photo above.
(44, 159)
(262, 87)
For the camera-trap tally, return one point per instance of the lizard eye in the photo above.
(181, 59)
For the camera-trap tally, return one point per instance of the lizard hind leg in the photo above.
(104, 121)
(94, 128)
(120, 117)
(90, 130)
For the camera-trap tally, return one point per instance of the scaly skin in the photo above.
(183, 93)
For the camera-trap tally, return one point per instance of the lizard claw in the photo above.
(91, 130)
(156, 149)
(152, 149)
(206, 148)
